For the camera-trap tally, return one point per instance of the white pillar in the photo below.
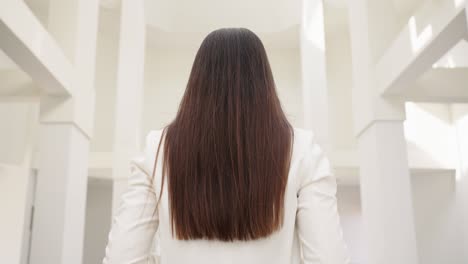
(129, 97)
(58, 230)
(314, 86)
(460, 118)
(65, 131)
(460, 114)
(386, 194)
(387, 207)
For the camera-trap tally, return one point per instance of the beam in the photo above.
(32, 48)
(429, 34)
(439, 85)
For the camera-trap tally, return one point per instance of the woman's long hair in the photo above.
(227, 152)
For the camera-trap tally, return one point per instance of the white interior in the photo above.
(315, 93)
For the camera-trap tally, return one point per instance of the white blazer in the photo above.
(311, 233)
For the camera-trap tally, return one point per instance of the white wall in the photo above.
(438, 219)
(98, 220)
(166, 75)
(17, 118)
(105, 85)
(339, 82)
(285, 64)
(430, 136)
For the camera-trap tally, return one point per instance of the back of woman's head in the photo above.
(227, 152)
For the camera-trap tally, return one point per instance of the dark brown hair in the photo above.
(227, 152)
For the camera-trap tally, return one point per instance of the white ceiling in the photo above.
(185, 22)
(184, 37)
(207, 15)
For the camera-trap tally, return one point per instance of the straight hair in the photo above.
(227, 153)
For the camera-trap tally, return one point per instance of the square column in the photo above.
(387, 206)
(460, 119)
(58, 228)
(65, 131)
(129, 95)
(314, 82)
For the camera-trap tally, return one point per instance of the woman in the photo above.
(229, 180)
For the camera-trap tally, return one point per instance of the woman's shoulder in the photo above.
(303, 135)
(147, 157)
(153, 136)
(312, 160)
(303, 139)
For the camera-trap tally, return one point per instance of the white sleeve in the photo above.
(317, 221)
(136, 219)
